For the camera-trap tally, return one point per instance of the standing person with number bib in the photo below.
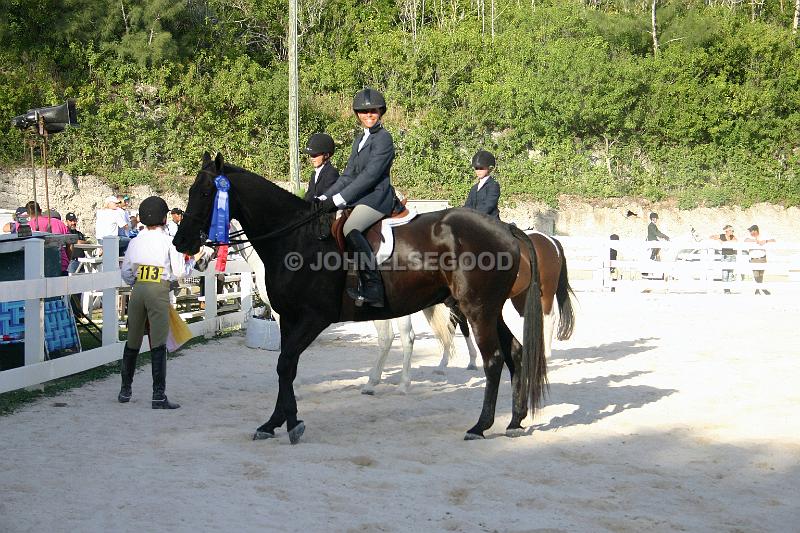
(151, 262)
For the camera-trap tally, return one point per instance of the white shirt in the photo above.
(363, 139)
(482, 181)
(108, 223)
(152, 247)
(172, 227)
(317, 171)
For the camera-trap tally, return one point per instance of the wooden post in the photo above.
(110, 320)
(210, 281)
(246, 290)
(34, 309)
(294, 145)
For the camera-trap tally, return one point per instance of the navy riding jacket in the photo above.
(327, 177)
(365, 179)
(485, 200)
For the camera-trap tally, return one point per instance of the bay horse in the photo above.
(286, 232)
(439, 317)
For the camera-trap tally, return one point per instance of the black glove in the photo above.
(326, 206)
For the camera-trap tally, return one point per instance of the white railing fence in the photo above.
(683, 265)
(35, 288)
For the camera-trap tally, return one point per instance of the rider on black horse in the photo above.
(365, 185)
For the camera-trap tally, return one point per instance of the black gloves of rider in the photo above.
(326, 206)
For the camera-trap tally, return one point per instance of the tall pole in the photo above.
(294, 148)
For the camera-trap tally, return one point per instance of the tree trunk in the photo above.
(796, 16)
(655, 30)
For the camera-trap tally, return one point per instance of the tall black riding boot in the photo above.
(127, 368)
(159, 358)
(370, 284)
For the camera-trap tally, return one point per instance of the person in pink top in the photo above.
(37, 222)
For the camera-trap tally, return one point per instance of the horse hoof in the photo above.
(296, 432)
(473, 436)
(472, 366)
(263, 435)
(368, 392)
(515, 432)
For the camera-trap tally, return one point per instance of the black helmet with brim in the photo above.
(153, 211)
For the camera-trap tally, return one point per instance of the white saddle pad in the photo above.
(387, 243)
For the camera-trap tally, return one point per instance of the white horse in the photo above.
(438, 316)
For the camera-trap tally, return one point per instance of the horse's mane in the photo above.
(255, 183)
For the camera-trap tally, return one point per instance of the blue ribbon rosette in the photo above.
(221, 216)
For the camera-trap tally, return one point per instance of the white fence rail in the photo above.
(35, 288)
(683, 266)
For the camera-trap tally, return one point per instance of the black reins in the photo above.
(316, 213)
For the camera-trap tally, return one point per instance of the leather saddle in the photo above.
(373, 234)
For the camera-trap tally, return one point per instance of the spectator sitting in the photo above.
(37, 222)
(135, 227)
(110, 220)
(172, 225)
(123, 202)
(74, 254)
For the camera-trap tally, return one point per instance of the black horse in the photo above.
(285, 231)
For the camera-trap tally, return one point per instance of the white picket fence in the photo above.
(685, 266)
(35, 287)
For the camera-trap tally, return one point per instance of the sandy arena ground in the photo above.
(676, 412)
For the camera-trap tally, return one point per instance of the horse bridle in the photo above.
(315, 214)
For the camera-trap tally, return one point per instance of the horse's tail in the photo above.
(566, 321)
(439, 319)
(533, 374)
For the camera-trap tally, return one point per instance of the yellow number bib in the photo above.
(149, 273)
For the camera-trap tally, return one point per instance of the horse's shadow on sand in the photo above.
(597, 397)
(600, 397)
(601, 353)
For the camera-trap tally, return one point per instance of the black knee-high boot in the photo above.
(370, 286)
(127, 368)
(159, 358)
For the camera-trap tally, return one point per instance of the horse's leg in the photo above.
(473, 352)
(549, 327)
(385, 338)
(463, 325)
(512, 353)
(485, 329)
(296, 336)
(406, 332)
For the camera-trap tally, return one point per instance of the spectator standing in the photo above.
(172, 225)
(654, 234)
(485, 194)
(728, 254)
(74, 254)
(758, 255)
(38, 222)
(612, 255)
(110, 221)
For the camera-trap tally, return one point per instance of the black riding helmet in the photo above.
(153, 211)
(320, 143)
(483, 159)
(368, 98)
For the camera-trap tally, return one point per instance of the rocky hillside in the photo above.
(627, 217)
